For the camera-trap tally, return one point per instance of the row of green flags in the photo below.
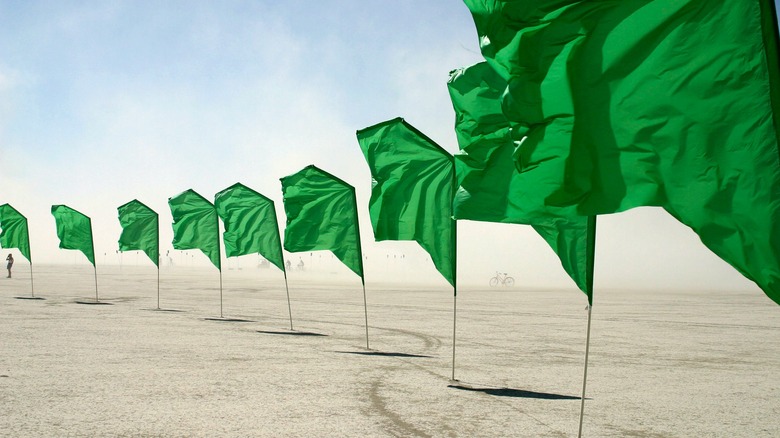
(580, 109)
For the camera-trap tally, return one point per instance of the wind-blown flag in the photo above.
(672, 103)
(140, 229)
(14, 230)
(250, 224)
(490, 189)
(74, 230)
(412, 189)
(322, 215)
(195, 225)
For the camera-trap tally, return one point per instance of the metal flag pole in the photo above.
(454, 322)
(220, 293)
(287, 288)
(32, 287)
(585, 373)
(94, 264)
(158, 283)
(454, 286)
(365, 309)
(96, 287)
(590, 260)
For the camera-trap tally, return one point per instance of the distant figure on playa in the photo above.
(300, 264)
(288, 264)
(10, 260)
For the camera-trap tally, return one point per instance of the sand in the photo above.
(662, 364)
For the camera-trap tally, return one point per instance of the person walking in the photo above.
(10, 260)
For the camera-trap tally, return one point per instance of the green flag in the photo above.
(322, 215)
(491, 190)
(195, 225)
(140, 230)
(413, 182)
(14, 232)
(74, 230)
(672, 103)
(250, 224)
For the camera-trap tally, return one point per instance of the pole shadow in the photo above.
(228, 319)
(165, 310)
(383, 354)
(516, 393)
(94, 303)
(292, 333)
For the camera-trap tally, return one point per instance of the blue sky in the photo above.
(104, 102)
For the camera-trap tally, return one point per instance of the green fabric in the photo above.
(413, 183)
(250, 224)
(140, 230)
(14, 232)
(195, 225)
(74, 230)
(670, 103)
(490, 189)
(322, 215)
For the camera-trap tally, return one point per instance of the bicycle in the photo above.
(503, 279)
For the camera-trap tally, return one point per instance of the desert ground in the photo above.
(662, 363)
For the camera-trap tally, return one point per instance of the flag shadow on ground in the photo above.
(289, 333)
(382, 353)
(517, 393)
(227, 319)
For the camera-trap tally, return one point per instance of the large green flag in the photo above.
(14, 232)
(195, 225)
(74, 230)
(140, 229)
(672, 103)
(250, 224)
(322, 215)
(413, 182)
(490, 189)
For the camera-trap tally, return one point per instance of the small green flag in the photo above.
(491, 189)
(322, 215)
(195, 225)
(140, 230)
(413, 182)
(74, 230)
(14, 230)
(250, 224)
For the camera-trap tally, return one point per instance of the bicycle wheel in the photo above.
(509, 282)
(494, 282)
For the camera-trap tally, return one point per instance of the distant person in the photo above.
(288, 264)
(300, 264)
(10, 260)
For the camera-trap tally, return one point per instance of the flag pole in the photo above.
(96, 287)
(591, 253)
(220, 293)
(287, 288)
(94, 264)
(585, 373)
(32, 286)
(158, 283)
(360, 258)
(454, 322)
(365, 309)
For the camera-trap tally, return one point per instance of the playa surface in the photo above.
(662, 363)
